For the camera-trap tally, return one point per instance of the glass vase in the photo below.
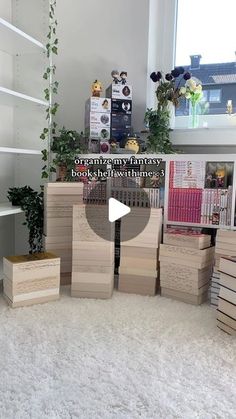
(193, 115)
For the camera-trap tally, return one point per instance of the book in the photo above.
(226, 328)
(226, 319)
(228, 265)
(228, 295)
(228, 281)
(227, 308)
(191, 239)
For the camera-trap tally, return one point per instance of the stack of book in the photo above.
(185, 266)
(139, 270)
(185, 205)
(59, 198)
(216, 206)
(226, 314)
(225, 245)
(93, 256)
(137, 197)
(214, 288)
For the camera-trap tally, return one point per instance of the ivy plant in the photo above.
(50, 91)
(31, 202)
(159, 131)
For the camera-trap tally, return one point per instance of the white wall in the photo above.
(96, 37)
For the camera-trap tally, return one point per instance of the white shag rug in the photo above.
(128, 357)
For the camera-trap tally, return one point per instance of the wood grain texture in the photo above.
(186, 240)
(28, 282)
(92, 256)
(151, 234)
(184, 278)
(185, 297)
(59, 198)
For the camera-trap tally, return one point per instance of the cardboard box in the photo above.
(98, 104)
(119, 91)
(121, 106)
(97, 119)
(96, 132)
(94, 145)
(120, 134)
(120, 121)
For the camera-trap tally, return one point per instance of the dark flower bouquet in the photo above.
(169, 86)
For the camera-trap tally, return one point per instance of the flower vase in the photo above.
(193, 115)
(171, 110)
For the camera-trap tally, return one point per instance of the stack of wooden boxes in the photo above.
(186, 261)
(31, 279)
(225, 246)
(226, 313)
(93, 256)
(58, 206)
(138, 271)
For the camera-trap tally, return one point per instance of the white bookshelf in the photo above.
(12, 150)
(14, 41)
(10, 97)
(23, 58)
(8, 209)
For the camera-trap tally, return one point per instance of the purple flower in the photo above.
(181, 70)
(159, 75)
(187, 76)
(175, 73)
(154, 77)
(168, 77)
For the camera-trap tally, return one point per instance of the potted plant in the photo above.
(32, 278)
(67, 146)
(16, 195)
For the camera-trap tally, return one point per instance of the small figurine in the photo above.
(115, 76)
(220, 178)
(96, 88)
(105, 104)
(123, 76)
(132, 144)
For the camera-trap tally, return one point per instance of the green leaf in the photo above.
(44, 175)
(42, 136)
(45, 155)
(45, 76)
(54, 50)
(56, 41)
(45, 130)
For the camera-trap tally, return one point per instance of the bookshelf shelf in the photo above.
(183, 224)
(12, 150)
(8, 209)
(14, 41)
(10, 97)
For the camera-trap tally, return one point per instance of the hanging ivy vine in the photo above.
(50, 91)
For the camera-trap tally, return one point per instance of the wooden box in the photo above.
(31, 279)
(93, 257)
(59, 198)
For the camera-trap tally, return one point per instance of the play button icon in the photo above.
(117, 210)
(119, 205)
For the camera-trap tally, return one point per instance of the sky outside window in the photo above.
(208, 28)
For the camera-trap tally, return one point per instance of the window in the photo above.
(205, 46)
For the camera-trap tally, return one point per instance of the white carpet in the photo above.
(129, 357)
